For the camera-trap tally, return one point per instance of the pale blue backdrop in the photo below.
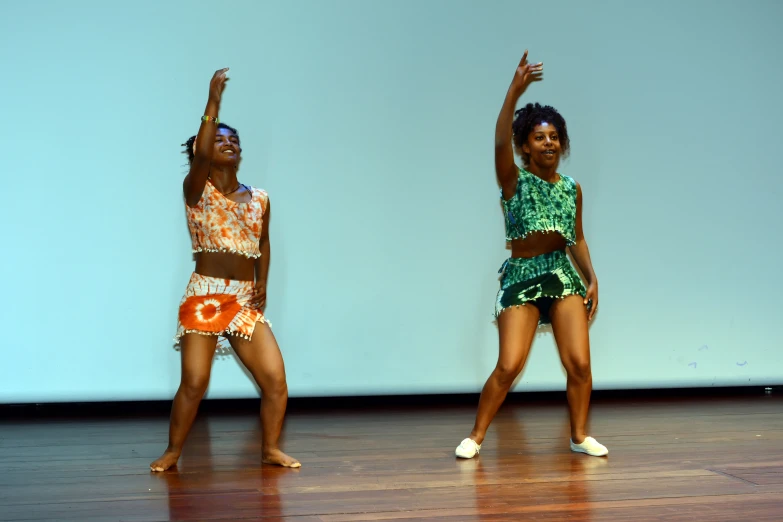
(371, 125)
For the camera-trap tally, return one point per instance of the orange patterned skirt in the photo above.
(214, 306)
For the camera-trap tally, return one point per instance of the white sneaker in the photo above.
(467, 449)
(591, 447)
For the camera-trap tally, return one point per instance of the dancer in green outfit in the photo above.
(543, 215)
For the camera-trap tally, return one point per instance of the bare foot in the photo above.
(279, 458)
(168, 459)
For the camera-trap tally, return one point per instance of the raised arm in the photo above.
(194, 183)
(505, 167)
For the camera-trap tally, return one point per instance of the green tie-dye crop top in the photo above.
(540, 206)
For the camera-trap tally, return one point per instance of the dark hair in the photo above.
(526, 119)
(189, 144)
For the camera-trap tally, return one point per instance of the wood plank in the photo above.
(717, 459)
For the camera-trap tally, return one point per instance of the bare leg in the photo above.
(261, 356)
(197, 353)
(516, 327)
(569, 324)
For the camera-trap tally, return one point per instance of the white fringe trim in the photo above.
(225, 332)
(229, 251)
(569, 241)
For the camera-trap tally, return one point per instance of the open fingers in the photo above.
(219, 78)
(533, 72)
(523, 61)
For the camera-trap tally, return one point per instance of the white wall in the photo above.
(371, 124)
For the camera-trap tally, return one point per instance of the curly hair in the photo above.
(526, 119)
(189, 143)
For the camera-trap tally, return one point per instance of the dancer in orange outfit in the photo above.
(224, 300)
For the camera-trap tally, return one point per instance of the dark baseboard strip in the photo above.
(298, 404)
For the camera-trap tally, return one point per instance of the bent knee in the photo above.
(506, 373)
(194, 386)
(580, 371)
(274, 385)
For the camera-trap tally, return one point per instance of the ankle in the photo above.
(477, 438)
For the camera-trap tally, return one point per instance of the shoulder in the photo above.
(572, 183)
(261, 196)
(568, 179)
(258, 192)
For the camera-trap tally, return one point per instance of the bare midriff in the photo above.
(536, 244)
(225, 265)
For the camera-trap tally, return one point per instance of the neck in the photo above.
(547, 173)
(223, 178)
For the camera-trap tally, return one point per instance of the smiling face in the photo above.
(540, 136)
(227, 151)
(542, 147)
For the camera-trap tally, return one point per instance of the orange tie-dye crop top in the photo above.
(218, 224)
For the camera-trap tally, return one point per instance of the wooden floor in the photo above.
(696, 459)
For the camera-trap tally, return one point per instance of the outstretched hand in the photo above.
(217, 84)
(527, 73)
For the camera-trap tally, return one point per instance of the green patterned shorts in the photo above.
(538, 280)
